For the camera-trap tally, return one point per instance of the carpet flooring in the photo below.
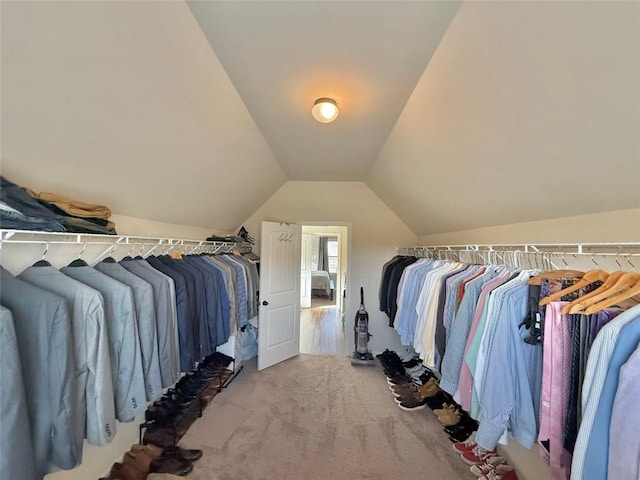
(317, 417)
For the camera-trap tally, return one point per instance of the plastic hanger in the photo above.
(79, 262)
(628, 286)
(43, 262)
(590, 277)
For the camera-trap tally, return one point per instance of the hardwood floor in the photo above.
(321, 330)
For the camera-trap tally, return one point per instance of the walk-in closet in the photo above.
(321, 239)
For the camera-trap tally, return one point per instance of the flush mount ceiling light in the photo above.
(325, 110)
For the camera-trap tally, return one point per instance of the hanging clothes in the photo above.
(43, 332)
(94, 399)
(16, 460)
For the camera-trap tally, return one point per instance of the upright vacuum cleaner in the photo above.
(361, 354)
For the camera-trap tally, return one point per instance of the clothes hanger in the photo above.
(79, 262)
(129, 257)
(43, 262)
(627, 286)
(110, 258)
(565, 273)
(588, 278)
(579, 304)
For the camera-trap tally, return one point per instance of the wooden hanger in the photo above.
(628, 286)
(579, 304)
(537, 280)
(588, 278)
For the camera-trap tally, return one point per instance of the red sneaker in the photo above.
(477, 456)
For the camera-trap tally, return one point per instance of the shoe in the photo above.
(429, 389)
(411, 403)
(446, 409)
(477, 456)
(464, 429)
(120, 471)
(399, 380)
(438, 400)
(171, 465)
(160, 436)
(504, 475)
(140, 460)
(450, 420)
(403, 389)
(189, 454)
(150, 449)
(493, 463)
(465, 446)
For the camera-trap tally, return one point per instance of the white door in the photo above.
(305, 274)
(279, 329)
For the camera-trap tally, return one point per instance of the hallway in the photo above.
(321, 328)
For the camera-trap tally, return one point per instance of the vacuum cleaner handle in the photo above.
(362, 297)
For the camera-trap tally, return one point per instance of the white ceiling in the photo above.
(457, 116)
(281, 56)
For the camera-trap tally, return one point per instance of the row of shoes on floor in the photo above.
(484, 464)
(151, 462)
(415, 387)
(191, 388)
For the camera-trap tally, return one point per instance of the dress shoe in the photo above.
(150, 449)
(120, 471)
(140, 460)
(171, 465)
(189, 454)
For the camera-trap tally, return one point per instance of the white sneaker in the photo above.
(492, 463)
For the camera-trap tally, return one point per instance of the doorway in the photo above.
(324, 261)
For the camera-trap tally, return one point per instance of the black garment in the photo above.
(213, 308)
(533, 322)
(570, 432)
(384, 282)
(394, 281)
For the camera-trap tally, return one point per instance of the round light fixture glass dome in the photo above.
(325, 110)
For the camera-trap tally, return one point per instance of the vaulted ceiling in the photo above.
(457, 115)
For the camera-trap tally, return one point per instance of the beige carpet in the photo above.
(317, 417)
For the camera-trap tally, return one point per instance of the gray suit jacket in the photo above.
(45, 342)
(96, 413)
(122, 334)
(146, 318)
(166, 323)
(16, 449)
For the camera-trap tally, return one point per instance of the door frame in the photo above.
(348, 345)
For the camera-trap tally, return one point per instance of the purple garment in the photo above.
(556, 366)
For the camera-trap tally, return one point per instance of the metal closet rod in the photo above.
(113, 241)
(567, 248)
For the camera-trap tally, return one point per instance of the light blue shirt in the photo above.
(510, 379)
(596, 372)
(597, 458)
(624, 448)
(406, 316)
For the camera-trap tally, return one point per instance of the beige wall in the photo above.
(615, 226)
(376, 232)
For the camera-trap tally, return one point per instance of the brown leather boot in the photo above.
(140, 460)
(120, 471)
(150, 449)
(171, 465)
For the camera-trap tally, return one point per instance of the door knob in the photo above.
(265, 303)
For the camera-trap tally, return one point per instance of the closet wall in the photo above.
(616, 226)
(376, 232)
